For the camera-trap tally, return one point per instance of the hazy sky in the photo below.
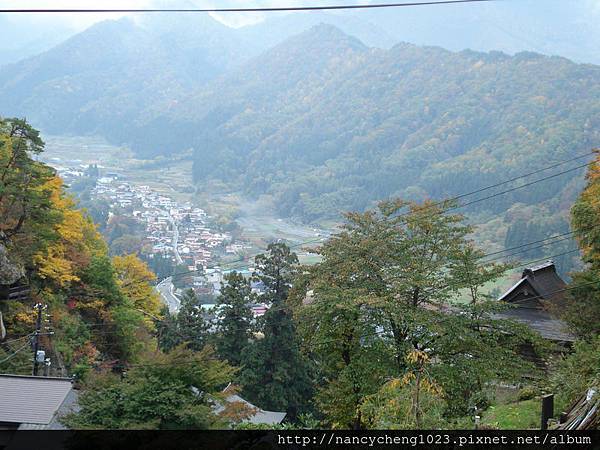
(80, 21)
(42, 31)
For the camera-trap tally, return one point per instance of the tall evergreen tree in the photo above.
(234, 318)
(187, 326)
(275, 374)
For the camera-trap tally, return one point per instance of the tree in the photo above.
(413, 402)
(176, 390)
(234, 318)
(582, 311)
(390, 285)
(135, 282)
(578, 371)
(66, 264)
(188, 326)
(274, 374)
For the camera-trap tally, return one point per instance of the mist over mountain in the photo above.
(21, 38)
(554, 27)
(104, 77)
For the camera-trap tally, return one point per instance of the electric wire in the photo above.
(237, 10)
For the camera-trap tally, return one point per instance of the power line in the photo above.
(458, 197)
(526, 249)
(17, 339)
(15, 353)
(525, 175)
(510, 180)
(233, 10)
(518, 187)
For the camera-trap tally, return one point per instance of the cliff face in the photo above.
(9, 272)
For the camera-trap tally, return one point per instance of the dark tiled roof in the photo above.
(540, 321)
(548, 292)
(544, 280)
(32, 400)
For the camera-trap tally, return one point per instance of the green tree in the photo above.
(187, 326)
(167, 391)
(234, 318)
(275, 374)
(579, 370)
(25, 203)
(190, 321)
(393, 282)
(582, 311)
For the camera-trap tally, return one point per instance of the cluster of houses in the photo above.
(180, 231)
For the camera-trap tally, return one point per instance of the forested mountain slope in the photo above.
(325, 123)
(322, 122)
(103, 79)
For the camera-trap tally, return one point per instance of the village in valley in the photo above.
(180, 233)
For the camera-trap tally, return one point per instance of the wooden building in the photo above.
(536, 298)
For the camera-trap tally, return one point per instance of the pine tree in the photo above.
(275, 375)
(187, 326)
(234, 326)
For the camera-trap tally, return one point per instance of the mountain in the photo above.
(325, 123)
(322, 122)
(102, 80)
(22, 38)
(279, 27)
(566, 28)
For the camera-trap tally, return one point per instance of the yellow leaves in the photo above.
(76, 242)
(53, 265)
(418, 357)
(25, 318)
(432, 387)
(134, 279)
(405, 380)
(6, 151)
(71, 228)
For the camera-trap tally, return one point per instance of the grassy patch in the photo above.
(519, 415)
(514, 416)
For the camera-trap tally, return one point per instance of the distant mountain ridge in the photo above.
(325, 123)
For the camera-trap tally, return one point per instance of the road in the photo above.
(165, 288)
(175, 240)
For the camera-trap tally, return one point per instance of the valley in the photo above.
(172, 178)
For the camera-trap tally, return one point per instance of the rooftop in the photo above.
(32, 400)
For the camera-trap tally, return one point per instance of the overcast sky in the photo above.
(81, 21)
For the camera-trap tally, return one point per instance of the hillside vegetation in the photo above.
(325, 123)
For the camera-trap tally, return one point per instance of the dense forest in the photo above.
(326, 124)
(376, 335)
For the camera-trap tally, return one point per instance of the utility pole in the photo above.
(36, 337)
